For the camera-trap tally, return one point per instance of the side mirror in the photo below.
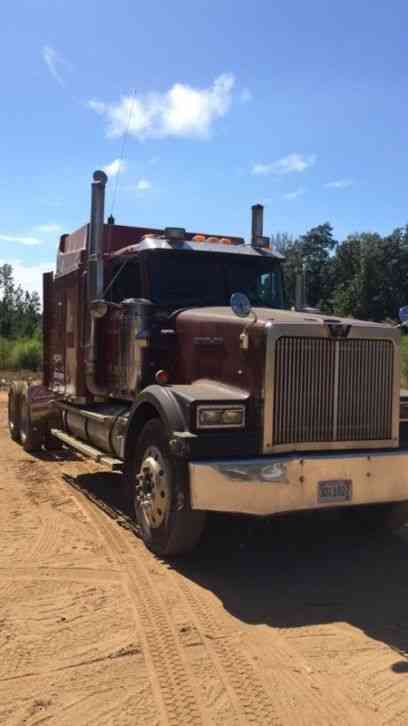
(403, 314)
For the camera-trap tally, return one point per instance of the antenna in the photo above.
(122, 151)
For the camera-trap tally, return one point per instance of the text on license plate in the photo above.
(334, 490)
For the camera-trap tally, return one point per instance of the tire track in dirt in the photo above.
(180, 701)
(250, 702)
(197, 662)
(54, 628)
(141, 562)
(236, 669)
(237, 672)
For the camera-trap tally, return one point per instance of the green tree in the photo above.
(20, 311)
(312, 253)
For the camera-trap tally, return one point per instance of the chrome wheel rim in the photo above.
(152, 495)
(23, 421)
(12, 412)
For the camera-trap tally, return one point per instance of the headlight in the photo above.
(215, 417)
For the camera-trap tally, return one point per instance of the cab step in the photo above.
(86, 450)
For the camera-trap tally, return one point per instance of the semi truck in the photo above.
(171, 357)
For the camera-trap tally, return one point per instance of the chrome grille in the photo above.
(332, 390)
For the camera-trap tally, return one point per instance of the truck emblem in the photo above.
(208, 340)
(338, 329)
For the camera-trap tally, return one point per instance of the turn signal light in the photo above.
(162, 378)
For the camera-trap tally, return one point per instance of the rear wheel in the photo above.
(380, 517)
(14, 410)
(31, 438)
(157, 485)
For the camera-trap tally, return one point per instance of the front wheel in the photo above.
(158, 489)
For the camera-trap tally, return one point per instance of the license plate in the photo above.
(334, 490)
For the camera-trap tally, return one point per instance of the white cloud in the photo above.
(143, 185)
(339, 184)
(29, 241)
(48, 227)
(294, 195)
(245, 96)
(55, 62)
(116, 167)
(183, 111)
(29, 276)
(289, 164)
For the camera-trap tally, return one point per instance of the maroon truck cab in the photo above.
(170, 355)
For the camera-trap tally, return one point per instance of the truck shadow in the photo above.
(309, 569)
(296, 571)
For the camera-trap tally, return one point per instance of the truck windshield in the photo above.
(180, 279)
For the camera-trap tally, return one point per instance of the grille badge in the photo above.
(338, 329)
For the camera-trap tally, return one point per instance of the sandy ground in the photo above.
(300, 622)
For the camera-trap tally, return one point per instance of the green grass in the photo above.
(404, 361)
(24, 354)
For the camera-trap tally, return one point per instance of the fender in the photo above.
(156, 401)
(166, 405)
(174, 406)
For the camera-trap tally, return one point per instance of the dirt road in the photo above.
(299, 623)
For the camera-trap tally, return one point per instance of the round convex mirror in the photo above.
(403, 314)
(240, 304)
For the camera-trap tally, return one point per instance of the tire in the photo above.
(52, 443)
(157, 486)
(31, 438)
(14, 397)
(379, 518)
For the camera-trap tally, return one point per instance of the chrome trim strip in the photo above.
(269, 485)
(336, 387)
(268, 388)
(397, 386)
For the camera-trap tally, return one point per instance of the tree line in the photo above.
(364, 276)
(20, 311)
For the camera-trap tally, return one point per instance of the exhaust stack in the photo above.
(95, 282)
(95, 242)
(257, 238)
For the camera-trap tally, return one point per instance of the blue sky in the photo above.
(299, 105)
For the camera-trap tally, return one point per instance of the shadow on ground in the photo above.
(298, 570)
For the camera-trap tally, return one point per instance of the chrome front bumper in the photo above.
(268, 485)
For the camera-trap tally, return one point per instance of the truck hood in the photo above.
(267, 315)
(208, 342)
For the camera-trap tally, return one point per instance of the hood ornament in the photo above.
(241, 306)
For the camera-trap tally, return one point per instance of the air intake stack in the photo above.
(257, 238)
